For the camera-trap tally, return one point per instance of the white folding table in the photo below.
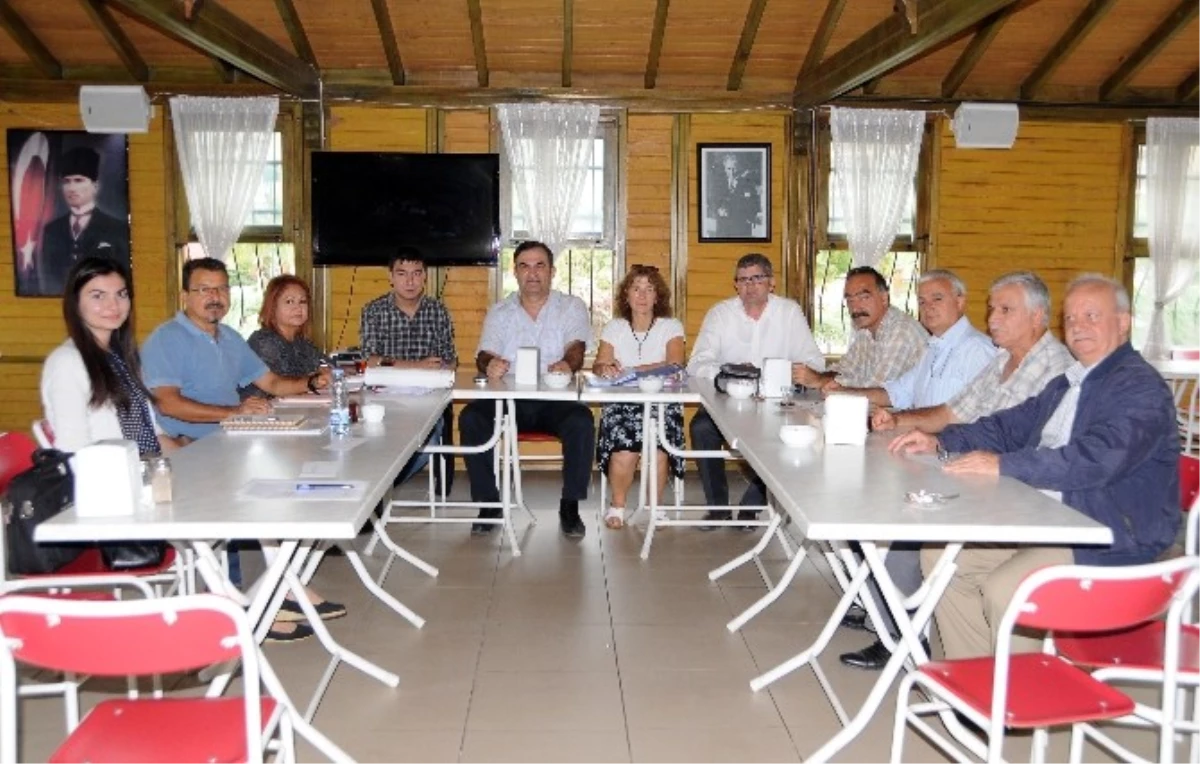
(209, 475)
(840, 494)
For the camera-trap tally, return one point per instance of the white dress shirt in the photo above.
(728, 335)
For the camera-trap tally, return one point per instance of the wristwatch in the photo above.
(312, 378)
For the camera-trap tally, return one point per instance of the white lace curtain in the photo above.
(1172, 156)
(875, 155)
(223, 144)
(549, 147)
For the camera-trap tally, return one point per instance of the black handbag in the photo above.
(37, 494)
(129, 555)
(746, 371)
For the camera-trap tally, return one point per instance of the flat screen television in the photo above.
(366, 205)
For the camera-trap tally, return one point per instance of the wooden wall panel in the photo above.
(524, 41)
(1050, 205)
(1019, 47)
(467, 291)
(710, 265)
(648, 191)
(31, 327)
(1119, 34)
(699, 43)
(783, 39)
(343, 34)
(67, 31)
(365, 128)
(434, 40)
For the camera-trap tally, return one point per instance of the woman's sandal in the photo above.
(614, 518)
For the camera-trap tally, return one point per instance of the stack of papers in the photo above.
(630, 378)
(287, 424)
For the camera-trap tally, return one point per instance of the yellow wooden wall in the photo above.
(32, 326)
(1051, 204)
(710, 265)
(648, 157)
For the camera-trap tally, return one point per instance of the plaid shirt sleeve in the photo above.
(445, 337)
(369, 330)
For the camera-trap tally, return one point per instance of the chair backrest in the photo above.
(43, 433)
(1079, 598)
(1186, 354)
(16, 456)
(1189, 481)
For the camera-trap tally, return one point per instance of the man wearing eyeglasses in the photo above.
(195, 365)
(887, 341)
(754, 325)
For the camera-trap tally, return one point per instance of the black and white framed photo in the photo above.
(735, 191)
(69, 199)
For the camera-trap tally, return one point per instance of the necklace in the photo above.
(641, 340)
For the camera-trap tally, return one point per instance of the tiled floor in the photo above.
(576, 651)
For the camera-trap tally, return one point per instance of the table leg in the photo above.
(907, 647)
(649, 435)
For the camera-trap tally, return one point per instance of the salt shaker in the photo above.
(160, 480)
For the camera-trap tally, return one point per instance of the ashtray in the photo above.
(924, 498)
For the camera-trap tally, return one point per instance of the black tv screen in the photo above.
(366, 205)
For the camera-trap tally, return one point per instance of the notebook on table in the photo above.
(292, 424)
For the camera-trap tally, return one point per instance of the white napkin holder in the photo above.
(108, 479)
(527, 366)
(776, 377)
(845, 419)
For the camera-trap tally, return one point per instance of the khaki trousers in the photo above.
(980, 591)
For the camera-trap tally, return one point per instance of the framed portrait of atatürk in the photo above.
(69, 199)
(735, 191)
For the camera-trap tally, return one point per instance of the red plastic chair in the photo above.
(156, 636)
(1039, 690)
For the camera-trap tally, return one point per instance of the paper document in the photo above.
(302, 489)
(631, 377)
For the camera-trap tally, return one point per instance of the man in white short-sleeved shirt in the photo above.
(747, 328)
(558, 325)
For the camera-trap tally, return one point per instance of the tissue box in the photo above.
(776, 377)
(108, 479)
(846, 419)
(527, 366)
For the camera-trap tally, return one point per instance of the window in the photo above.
(261, 252)
(832, 328)
(587, 267)
(1182, 315)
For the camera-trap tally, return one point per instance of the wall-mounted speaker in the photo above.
(114, 108)
(985, 125)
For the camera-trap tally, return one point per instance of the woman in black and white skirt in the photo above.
(641, 337)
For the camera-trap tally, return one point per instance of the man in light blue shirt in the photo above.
(194, 364)
(956, 352)
(558, 326)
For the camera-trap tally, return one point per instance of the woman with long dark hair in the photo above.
(91, 384)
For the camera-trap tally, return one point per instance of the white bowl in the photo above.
(650, 384)
(556, 379)
(740, 388)
(798, 435)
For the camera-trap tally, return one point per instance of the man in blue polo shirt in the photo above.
(195, 365)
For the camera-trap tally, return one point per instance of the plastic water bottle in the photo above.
(339, 409)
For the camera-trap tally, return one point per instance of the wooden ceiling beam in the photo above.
(1171, 26)
(820, 40)
(387, 35)
(656, 42)
(481, 64)
(38, 53)
(568, 41)
(117, 39)
(890, 44)
(225, 71)
(295, 30)
(220, 33)
(1188, 88)
(741, 56)
(1080, 28)
(974, 51)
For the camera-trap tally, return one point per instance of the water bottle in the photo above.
(339, 409)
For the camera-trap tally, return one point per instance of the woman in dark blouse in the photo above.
(282, 342)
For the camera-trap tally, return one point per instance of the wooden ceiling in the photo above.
(1095, 53)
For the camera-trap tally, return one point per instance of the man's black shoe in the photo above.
(482, 529)
(856, 619)
(748, 516)
(872, 657)
(569, 520)
(713, 515)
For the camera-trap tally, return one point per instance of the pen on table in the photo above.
(323, 486)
